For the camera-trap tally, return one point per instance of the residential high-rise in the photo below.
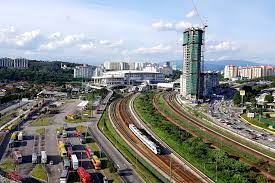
(84, 71)
(230, 71)
(18, 63)
(192, 66)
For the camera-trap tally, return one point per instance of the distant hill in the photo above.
(219, 65)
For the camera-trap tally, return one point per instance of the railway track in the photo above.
(185, 116)
(121, 116)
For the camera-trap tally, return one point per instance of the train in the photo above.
(144, 139)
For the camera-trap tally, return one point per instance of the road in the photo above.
(126, 170)
(14, 106)
(176, 107)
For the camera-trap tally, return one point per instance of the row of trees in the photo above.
(215, 161)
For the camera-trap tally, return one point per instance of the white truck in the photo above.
(43, 157)
(20, 136)
(18, 156)
(34, 158)
(74, 161)
(64, 176)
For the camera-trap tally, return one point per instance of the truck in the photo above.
(82, 139)
(64, 176)
(84, 176)
(20, 136)
(34, 158)
(96, 162)
(74, 161)
(64, 134)
(11, 143)
(43, 157)
(14, 136)
(18, 156)
(66, 163)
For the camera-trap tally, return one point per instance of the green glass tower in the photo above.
(192, 65)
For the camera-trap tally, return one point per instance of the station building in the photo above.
(127, 77)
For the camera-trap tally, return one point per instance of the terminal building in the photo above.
(127, 77)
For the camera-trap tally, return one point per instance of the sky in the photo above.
(93, 31)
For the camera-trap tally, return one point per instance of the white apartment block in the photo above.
(18, 63)
(252, 72)
(117, 66)
(230, 71)
(84, 71)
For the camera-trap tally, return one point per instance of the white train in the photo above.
(144, 139)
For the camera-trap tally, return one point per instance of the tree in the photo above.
(237, 98)
(268, 98)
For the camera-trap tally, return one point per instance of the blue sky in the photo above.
(92, 31)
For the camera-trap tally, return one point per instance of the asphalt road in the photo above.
(124, 167)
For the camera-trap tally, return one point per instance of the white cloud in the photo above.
(160, 48)
(182, 25)
(111, 44)
(10, 37)
(161, 26)
(21, 40)
(58, 41)
(191, 14)
(87, 46)
(168, 26)
(223, 46)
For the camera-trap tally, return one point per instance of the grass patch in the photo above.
(8, 164)
(93, 146)
(40, 131)
(143, 168)
(81, 128)
(42, 121)
(39, 172)
(80, 120)
(112, 176)
(8, 117)
(256, 122)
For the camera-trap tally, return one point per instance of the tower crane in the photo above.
(204, 26)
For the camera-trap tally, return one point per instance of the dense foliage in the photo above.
(38, 72)
(194, 149)
(269, 98)
(17, 94)
(250, 93)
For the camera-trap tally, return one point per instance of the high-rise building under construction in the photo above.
(191, 81)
